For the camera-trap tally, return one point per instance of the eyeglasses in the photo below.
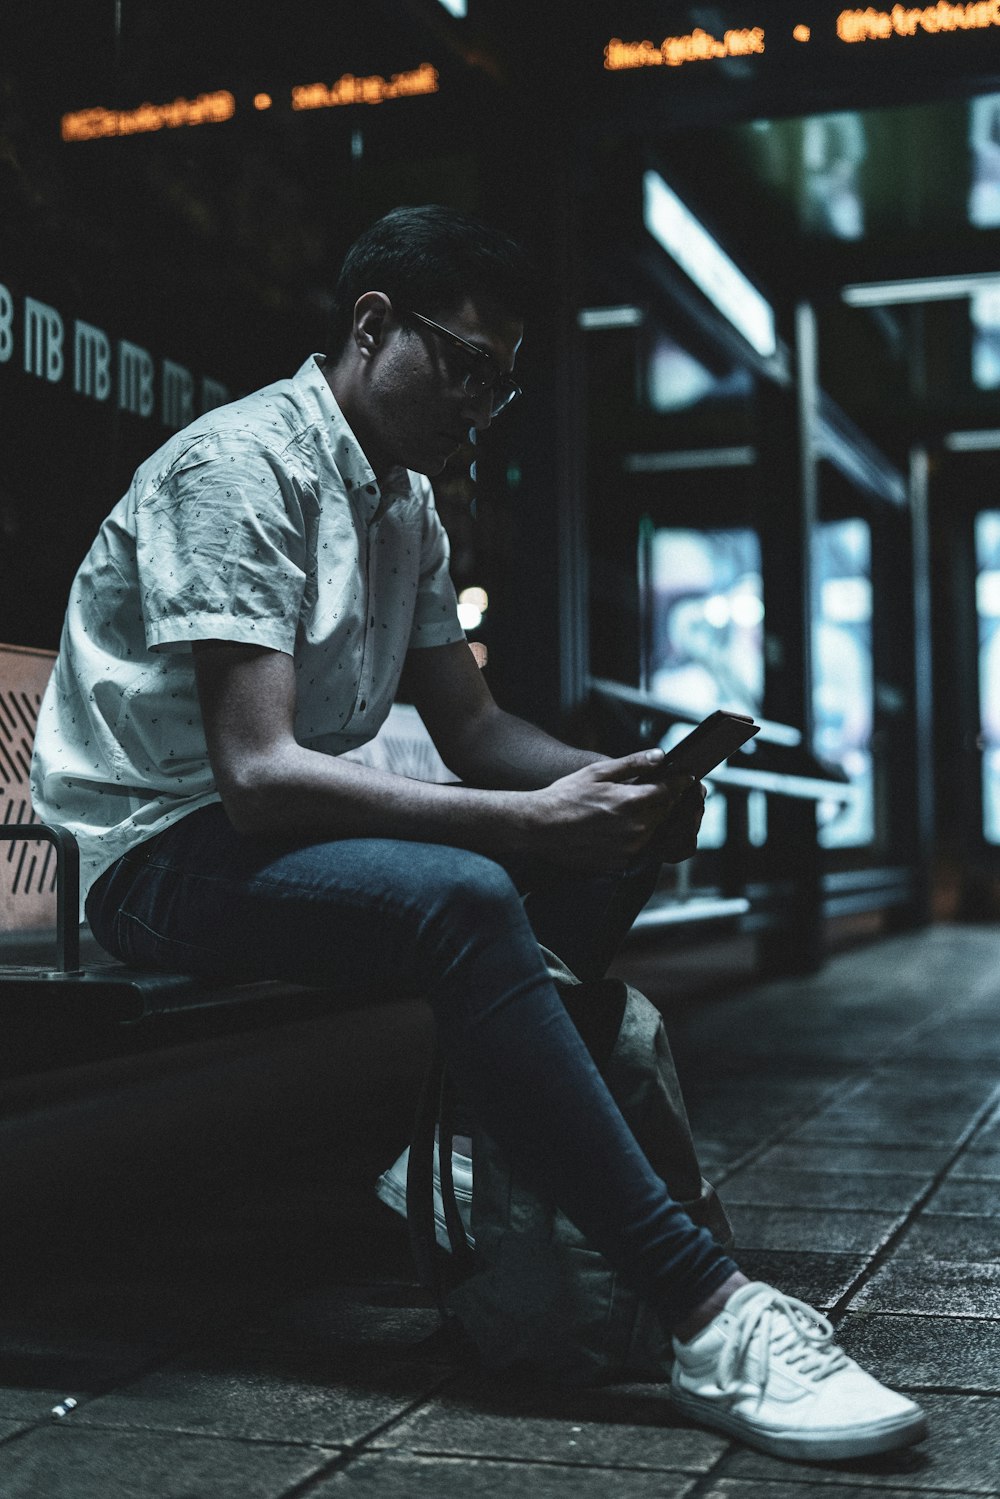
(481, 374)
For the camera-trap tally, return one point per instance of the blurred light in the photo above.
(747, 610)
(801, 33)
(661, 463)
(262, 101)
(985, 314)
(472, 605)
(987, 441)
(456, 7)
(609, 317)
(717, 611)
(372, 89)
(922, 289)
(984, 148)
(710, 268)
(988, 595)
(92, 124)
(846, 601)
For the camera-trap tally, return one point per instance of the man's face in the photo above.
(419, 408)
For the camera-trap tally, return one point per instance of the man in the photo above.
(241, 621)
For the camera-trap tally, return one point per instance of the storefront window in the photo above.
(988, 611)
(843, 675)
(707, 625)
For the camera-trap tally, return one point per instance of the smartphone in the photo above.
(712, 741)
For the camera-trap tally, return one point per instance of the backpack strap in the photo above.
(433, 1128)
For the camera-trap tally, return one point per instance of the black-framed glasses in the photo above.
(481, 373)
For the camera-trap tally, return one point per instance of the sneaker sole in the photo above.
(808, 1446)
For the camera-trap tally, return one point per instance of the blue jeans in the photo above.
(366, 916)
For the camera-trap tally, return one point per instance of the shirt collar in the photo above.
(356, 472)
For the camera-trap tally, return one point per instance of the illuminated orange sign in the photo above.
(371, 90)
(871, 25)
(210, 109)
(91, 124)
(673, 51)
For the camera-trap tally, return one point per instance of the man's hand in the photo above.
(612, 812)
(677, 837)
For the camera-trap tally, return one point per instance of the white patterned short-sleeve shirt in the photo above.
(261, 522)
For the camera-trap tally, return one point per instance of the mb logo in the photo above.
(95, 366)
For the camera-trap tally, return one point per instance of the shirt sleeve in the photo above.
(435, 619)
(220, 548)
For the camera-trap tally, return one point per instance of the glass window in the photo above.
(988, 611)
(985, 313)
(676, 380)
(706, 646)
(843, 675)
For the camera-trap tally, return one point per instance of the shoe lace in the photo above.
(788, 1329)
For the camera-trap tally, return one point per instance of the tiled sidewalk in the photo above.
(253, 1333)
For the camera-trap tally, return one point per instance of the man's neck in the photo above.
(342, 380)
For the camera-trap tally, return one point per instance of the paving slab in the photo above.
(961, 1195)
(388, 1476)
(820, 1279)
(955, 1354)
(394, 1317)
(982, 1163)
(960, 1456)
(629, 1426)
(811, 1481)
(265, 1396)
(918, 1106)
(745, 1107)
(809, 1229)
(961, 1039)
(857, 1160)
(37, 1372)
(770, 1186)
(960, 1237)
(64, 1463)
(945, 1288)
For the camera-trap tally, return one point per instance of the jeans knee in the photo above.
(474, 892)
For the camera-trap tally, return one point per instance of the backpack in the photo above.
(533, 1292)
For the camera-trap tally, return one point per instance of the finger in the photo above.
(642, 762)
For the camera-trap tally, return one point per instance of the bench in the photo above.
(62, 998)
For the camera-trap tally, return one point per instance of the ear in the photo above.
(372, 315)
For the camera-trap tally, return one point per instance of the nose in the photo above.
(478, 410)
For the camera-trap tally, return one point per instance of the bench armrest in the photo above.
(67, 885)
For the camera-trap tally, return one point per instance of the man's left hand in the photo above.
(676, 839)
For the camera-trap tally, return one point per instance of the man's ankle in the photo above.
(706, 1310)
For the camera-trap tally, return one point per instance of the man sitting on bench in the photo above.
(243, 619)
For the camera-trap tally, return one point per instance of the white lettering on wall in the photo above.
(6, 324)
(91, 361)
(94, 363)
(43, 341)
(178, 394)
(135, 379)
(213, 393)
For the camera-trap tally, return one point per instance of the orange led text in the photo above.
(91, 124)
(673, 51)
(871, 25)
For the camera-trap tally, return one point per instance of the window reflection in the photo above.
(984, 144)
(985, 312)
(843, 675)
(988, 611)
(706, 648)
(676, 380)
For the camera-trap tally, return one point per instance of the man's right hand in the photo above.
(603, 816)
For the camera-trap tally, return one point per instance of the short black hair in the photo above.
(428, 258)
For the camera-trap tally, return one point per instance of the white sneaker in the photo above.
(391, 1188)
(766, 1369)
